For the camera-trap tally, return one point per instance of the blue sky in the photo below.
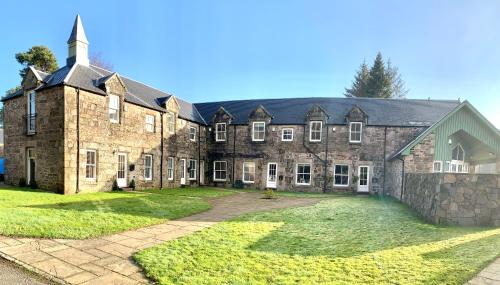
(220, 50)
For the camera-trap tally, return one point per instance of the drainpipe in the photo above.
(324, 161)
(161, 151)
(234, 153)
(402, 178)
(77, 140)
(199, 155)
(385, 144)
(325, 183)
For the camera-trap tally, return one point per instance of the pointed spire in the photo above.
(78, 45)
(78, 33)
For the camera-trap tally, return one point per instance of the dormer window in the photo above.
(355, 129)
(114, 108)
(31, 114)
(315, 129)
(220, 132)
(258, 131)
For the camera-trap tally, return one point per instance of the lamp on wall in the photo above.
(449, 141)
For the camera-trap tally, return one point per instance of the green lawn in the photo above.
(341, 240)
(32, 213)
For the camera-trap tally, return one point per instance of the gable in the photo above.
(260, 113)
(31, 80)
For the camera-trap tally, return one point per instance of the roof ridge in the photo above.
(346, 98)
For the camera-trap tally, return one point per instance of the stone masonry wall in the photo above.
(47, 142)
(129, 136)
(287, 154)
(459, 199)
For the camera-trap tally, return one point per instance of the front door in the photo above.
(182, 166)
(363, 182)
(121, 175)
(30, 163)
(272, 171)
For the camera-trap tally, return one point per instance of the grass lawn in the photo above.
(31, 213)
(341, 240)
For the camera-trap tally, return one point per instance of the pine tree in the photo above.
(358, 88)
(379, 84)
(40, 56)
(398, 85)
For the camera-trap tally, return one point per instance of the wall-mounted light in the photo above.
(449, 141)
(333, 129)
(209, 129)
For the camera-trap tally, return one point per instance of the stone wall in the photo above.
(47, 143)
(129, 136)
(370, 152)
(459, 199)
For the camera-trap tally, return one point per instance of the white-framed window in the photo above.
(458, 153)
(170, 168)
(220, 132)
(192, 134)
(258, 131)
(192, 169)
(148, 167)
(171, 122)
(150, 123)
(458, 164)
(315, 130)
(303, 174)
(114, 108)
(437, 166)
(91, 165)
(355, 129)
(220, 170)
(248, 172)
(31, 117)
(287, 135)
(341, 175)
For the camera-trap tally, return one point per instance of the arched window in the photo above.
(458, 153)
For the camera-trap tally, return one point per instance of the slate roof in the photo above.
(381, 112)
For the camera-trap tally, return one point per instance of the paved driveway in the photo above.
(11, 274)
(108, 260)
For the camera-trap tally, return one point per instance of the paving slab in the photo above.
(488, 276)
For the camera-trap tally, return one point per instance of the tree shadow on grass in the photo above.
(135, 204)
(348, 231)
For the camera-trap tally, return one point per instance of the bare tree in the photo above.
(97, 60)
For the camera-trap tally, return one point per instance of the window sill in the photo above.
(354, 142)
(220, 180)
(340, 185)
(248, 182)
(303, 184)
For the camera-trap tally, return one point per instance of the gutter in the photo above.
(402, 178)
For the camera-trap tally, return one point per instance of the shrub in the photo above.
(33, 184)
(132, 184)
(22, 182)
(115, 186)
(238, 184)
(269, 194)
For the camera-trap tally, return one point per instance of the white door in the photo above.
(272, 172)
(121, 175)
(182, 166)
(202, 172)
(364, 181)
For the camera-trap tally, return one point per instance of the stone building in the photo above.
(82, 128)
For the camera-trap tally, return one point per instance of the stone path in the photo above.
(108, 260)
(489, 276)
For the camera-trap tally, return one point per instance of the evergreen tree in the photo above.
(358, 88)
(40, 56)
(379, 83)
(398, 85)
